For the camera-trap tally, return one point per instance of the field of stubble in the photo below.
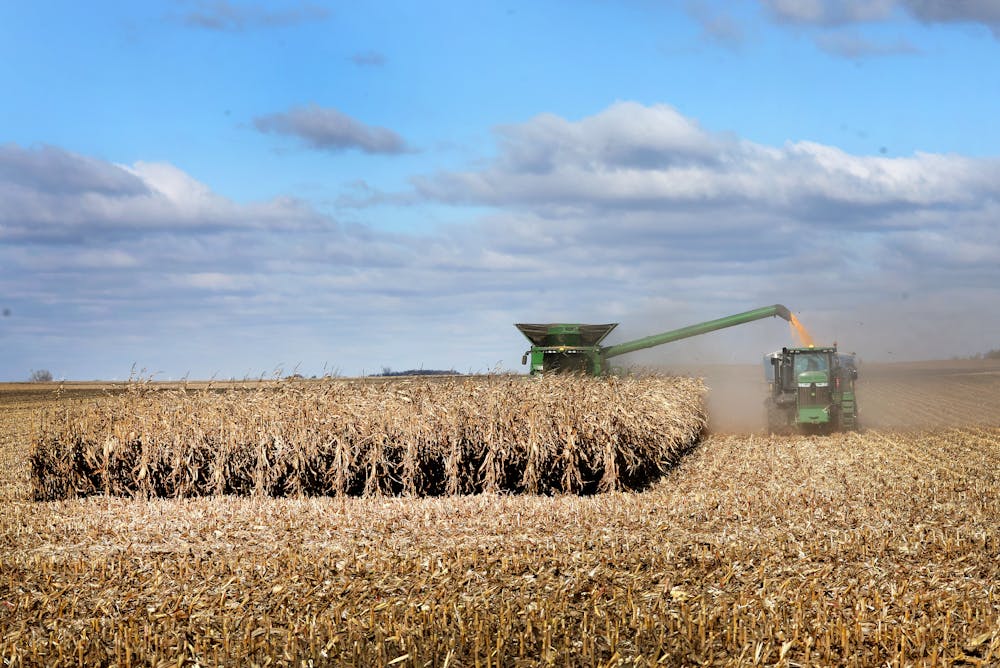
(872, 548)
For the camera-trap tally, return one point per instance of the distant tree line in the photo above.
(990, 355)
(387, 371)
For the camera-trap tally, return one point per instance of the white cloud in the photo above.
(853, 46)
(637, 214)
(641, 158)
(236, 17)
(51, 193)
(717, 26)
(827, 13)
(106, 259)
(986, 12)
(331, 130)
(214, 281)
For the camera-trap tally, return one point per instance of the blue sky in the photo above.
(226, 188)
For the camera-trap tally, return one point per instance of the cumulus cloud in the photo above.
(112, 264)
(634, 157)
(853, 46)
(328, 129)
(843, 12)
(717, 26)
(235, 17)
(637, 214)
(829, 12)
(51, 193)
(949, 11)
(52, 170)
(637, 202)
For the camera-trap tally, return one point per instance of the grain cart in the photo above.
(811, 389)
(565, 347)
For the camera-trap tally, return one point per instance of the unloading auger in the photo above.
(574, 347)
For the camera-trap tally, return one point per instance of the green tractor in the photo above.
(576, 348)
(811, 390)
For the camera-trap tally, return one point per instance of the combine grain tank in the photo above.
(566, 347)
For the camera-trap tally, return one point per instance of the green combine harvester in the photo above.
(812, 390)
(576, 348)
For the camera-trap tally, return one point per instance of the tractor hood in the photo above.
(807, 378)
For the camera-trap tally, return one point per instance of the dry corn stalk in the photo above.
(492, 434)
(855, 549)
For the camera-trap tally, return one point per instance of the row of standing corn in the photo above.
(417, 438)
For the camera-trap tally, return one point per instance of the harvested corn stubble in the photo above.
(486, 434)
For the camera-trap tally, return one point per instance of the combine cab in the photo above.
(812, 389)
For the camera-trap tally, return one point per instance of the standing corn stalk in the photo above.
(415, 438)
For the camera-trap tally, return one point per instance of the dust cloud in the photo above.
(736, 394)
(891, 396)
